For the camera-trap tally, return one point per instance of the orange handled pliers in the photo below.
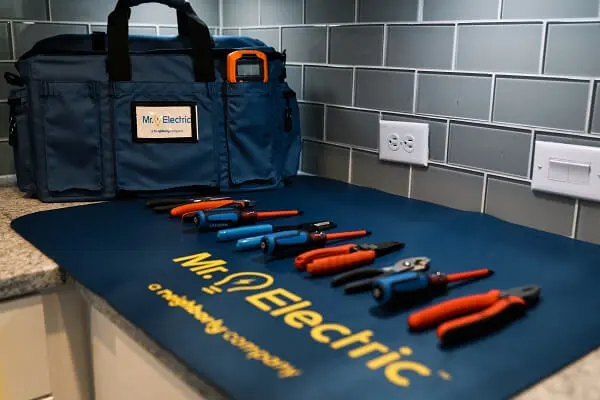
(186, 209)
(468, 316)
(331, 260)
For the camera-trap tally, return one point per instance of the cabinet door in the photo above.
(23, 360)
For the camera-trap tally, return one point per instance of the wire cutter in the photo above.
(168, 203)
(469, 316)
(331, 260)
(361, 280)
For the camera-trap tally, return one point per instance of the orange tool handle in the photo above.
(469, 324)
(277, 214)
(307, 257)
(347, 235)
(199, 206)
(476, 273)
(446, 310)
(332, 265)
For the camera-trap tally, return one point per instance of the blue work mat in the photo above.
(242, 341)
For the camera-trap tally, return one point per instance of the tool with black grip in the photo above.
(394, 286)
(471, 316)
(187, 211)
(168, 203)
(213, 220)
(251, 231)
(331, 260)
(253, 243)
(361, 280)
(297, 242)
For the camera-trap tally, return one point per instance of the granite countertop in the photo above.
(25, 270)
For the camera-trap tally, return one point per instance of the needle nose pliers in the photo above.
(360, 280)
(469, 316)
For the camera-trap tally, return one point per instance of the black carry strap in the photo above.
(190, 26)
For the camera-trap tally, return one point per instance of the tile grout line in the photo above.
(484, 192)
(303, 13)
(356, 5)
(49, 10)
(221, 16)
(415, 92)
(598, 9)
(492, 98)
(280, 34)
(531, 152)
(259, 6)
(543, 48)
(327, 29)
(575, 218)
(385, 45)
(588, 111)
(410, 176)
(302, 82)
(350, 152)
(12, 40)
(89, 28)
(447, 143)
(454, 47)
(353, 98)
(324, 133)
(500, 6)
(420, 6)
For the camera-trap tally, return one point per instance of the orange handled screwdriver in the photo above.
(185, 209)
(331, 260)
(389, 287)
(298, 241)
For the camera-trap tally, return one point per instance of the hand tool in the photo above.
(247, 66)
(168, 203)
(259, 230)
(297, 242)
(339, 258)
(360, 280)
(411, 283)
(469, 316)
(221, 219)
(253, 243)
(188, 209)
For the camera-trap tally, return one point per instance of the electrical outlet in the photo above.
(404, 142)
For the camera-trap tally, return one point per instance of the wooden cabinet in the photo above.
(24, 372)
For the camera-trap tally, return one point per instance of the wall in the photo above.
(491, 77)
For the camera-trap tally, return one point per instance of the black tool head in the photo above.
(530, 293)
(381, 249)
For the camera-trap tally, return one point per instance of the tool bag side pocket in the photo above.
(19, 139)
(289, 132)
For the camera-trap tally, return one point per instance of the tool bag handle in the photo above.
(189, 25)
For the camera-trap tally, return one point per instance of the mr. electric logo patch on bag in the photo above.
(164, 122)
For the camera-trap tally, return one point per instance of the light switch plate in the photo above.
(567, 169)
(404, 142)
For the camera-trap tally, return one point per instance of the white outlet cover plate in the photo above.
(404, 142)
(567, 169)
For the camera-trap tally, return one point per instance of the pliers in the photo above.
(331, 260)
(361, 280)
(468, 316)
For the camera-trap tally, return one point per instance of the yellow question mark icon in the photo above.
(247, 281)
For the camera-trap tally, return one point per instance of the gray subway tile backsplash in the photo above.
(569, 49)
(4, 115)
(7, 166)
(352, 127)
(443, 10)
(280, 12)
(463, 96)
(328, 85)
(26, 34)
(549, 8)
(368, 170)
(448, 187)
(294, 79)
(305, 44)
(516, 202)
(5, 53)
(595, 127)
(343, 48)
(437, 133)
(137, 30)
(387, 10)
(588, 222)
(270, 36)
(420, 46)
(230, 31)
(499, 48)
(489, 148)
(320, 12)
(385, 90)
(541, 102)
(312, 118)
(240, 13)
(20, 9)
(325, 160)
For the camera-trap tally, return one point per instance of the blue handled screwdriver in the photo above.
(252, 243)
(225, 235)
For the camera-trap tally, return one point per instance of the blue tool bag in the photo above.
(97, 116)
